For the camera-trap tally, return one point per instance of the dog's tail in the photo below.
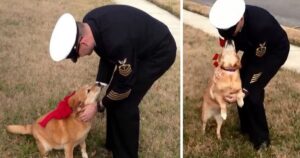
(20, 129)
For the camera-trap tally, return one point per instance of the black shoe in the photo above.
(262, 146)
(243, 131)
(108, 147)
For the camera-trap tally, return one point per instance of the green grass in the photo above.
(281, 104)
(31, 84)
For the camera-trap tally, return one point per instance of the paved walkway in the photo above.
(167, 18)
(201, 22)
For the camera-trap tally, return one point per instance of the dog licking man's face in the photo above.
(229, 58)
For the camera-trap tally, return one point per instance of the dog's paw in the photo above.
(84, 155)
(240, 102)
(219, 137)
(224, 115)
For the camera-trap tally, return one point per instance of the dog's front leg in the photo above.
(69, 150)
(83, 150)
(240, 98)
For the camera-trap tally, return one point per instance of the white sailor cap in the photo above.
(226, 13)
(63, 39)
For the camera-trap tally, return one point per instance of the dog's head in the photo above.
(85, 95)
(229, 58)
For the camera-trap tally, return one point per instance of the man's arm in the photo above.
(105, 72)
(124, 76)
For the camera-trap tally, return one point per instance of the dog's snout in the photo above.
(98, 84)
(96, 87)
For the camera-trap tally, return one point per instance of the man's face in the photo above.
(232, 31)
(228, 33)
(239, 26)
(86, 47)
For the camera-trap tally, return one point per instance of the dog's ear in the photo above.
(74, 101)
(239, 56)
(238, 65)
(230, 42)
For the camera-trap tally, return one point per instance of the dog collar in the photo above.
(228, 69)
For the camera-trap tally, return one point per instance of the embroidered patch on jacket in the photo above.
(118, 96)
(255, 77)
(124, 69)
(261, 50)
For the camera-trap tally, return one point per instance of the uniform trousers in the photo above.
(123, 118)
(252, 115)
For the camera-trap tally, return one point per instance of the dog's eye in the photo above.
(88, 90)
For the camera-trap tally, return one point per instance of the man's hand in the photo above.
(231, 98)
(88, 112)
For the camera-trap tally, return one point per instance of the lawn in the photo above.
(172, 6)
(281, 104)
(31, 83)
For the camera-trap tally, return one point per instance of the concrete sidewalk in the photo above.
(167, 18)
(201, 22)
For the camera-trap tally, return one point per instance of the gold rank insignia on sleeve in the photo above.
(118, 96)
(124, 69)
(255, 77)
(261, 50)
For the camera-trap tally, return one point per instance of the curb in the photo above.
(165, 6)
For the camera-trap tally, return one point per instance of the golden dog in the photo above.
(225, 82)
(63, 133)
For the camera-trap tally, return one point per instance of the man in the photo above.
(135, 50)
(265, 44)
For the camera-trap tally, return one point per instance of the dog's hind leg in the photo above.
(43, 151)
(83, 150)
(206, 114)
(219, 121)
(211, 92)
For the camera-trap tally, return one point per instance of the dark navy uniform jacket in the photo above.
(123, 35)
(264, 43)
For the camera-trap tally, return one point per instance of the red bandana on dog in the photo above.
(222, 42)
(215, 60)
(63, 110)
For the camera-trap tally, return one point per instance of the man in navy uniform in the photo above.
(135, 50)
(265, 44)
